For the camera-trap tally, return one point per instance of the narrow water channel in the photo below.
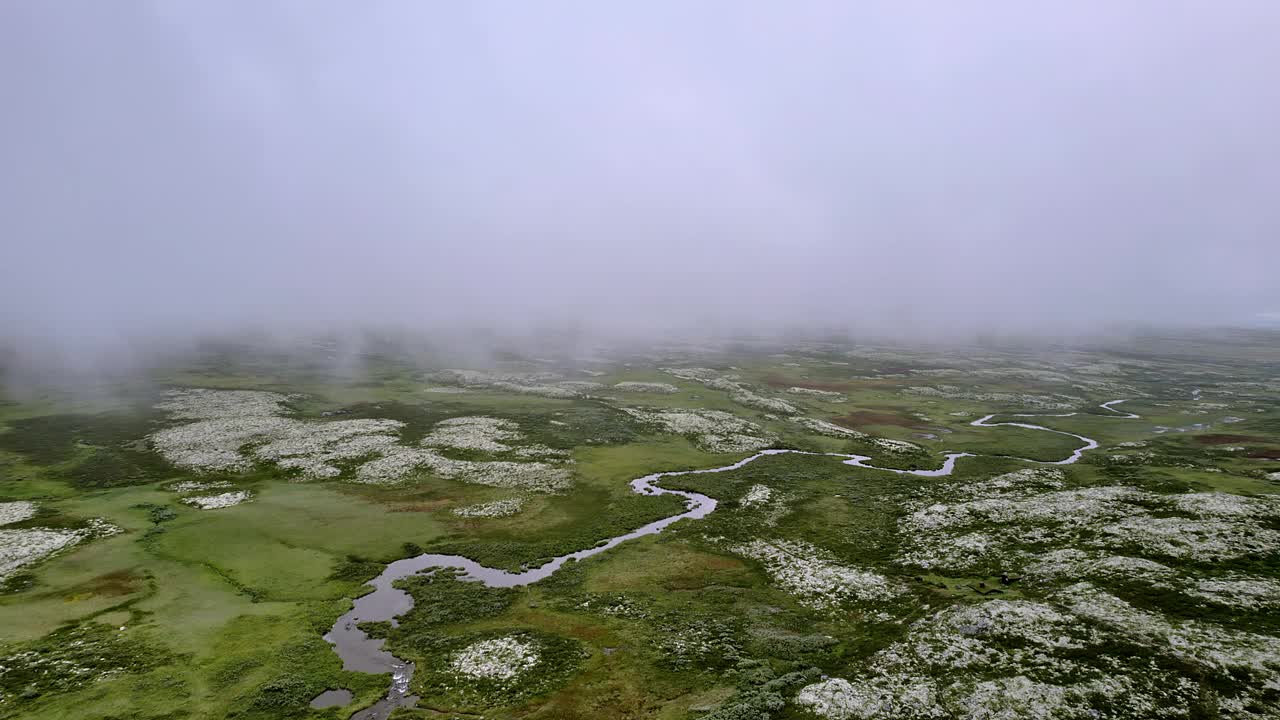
(361, 653)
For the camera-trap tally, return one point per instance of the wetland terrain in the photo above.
(810, 530)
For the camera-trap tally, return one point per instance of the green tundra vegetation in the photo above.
(177, 545)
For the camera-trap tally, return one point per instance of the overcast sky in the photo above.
(179, 166)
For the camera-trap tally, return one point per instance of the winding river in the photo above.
(361, 653)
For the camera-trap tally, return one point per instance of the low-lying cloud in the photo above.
(174, 168)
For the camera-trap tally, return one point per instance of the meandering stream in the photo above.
(361, 653)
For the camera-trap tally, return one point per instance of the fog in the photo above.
(174, 168)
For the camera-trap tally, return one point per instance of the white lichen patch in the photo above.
(202, 404)
(696, 374)
(219, 501)
(219, 439)
(215, 444)
(316, 448)
(474, 433)
(501, 659)
(1217, 504)
(895, 446)
(1246, 593)
(1062, 655)
(194, 486)
(486, 434)
(830, 429)
(825, 395)
(1000, 659)
(738, 392)
(711, 430)
(1072, 563)
(839, 699)
(23, 547)
(1019, 480)
(494, 509)
(12, 512)
(550, 391)
(542, 452)
(1031, 374)
(19, 548)
(752, 399)
(1029, 622)
(616, 605)
(1025, 522)
(396, 464)
(995, 522)
(646, 387)
(1207, 539)
(234, 428)
(1070, 507)
(1133, 459)
(1038, 402)
(756, 496)
(522, 383)
(813, 575)
(531, 476)
(1216, 648)
(582, 386)
(1121, 566)
(768, 505)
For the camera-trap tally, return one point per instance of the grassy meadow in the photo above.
(808, 570)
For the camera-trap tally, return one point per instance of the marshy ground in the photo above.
(179, 547)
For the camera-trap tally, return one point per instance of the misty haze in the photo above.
(608, 361)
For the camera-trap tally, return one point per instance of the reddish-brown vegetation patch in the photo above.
(1267, 453)
(1224, 439)
(112, 584)
(777, 381)
(871, 417)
